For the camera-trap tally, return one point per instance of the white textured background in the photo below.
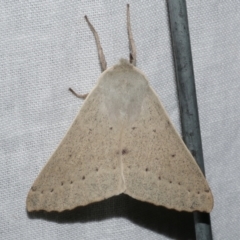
(46, 47)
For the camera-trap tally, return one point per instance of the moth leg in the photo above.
(83, 96)
(99, 48)
(132, 46)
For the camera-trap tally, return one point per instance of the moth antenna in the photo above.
(132, 46)
(99, 48)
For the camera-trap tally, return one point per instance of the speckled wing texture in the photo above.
(158, 167)
(84, 168)
(122, 141)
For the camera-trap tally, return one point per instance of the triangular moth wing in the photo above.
(85, 167)
(157, 166)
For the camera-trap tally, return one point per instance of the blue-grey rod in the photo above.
(181, 48)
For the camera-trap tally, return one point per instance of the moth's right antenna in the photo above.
(131, 41)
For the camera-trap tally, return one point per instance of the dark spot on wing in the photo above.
(124, 151)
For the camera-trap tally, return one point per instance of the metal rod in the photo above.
(187, 98)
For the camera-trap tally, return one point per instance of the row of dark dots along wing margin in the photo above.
(34, 188)
(170, 181)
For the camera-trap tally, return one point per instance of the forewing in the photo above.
(158, 168)
(85, 167)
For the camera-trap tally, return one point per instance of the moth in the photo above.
(122, 141)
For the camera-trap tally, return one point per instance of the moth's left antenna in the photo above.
(99, 48)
